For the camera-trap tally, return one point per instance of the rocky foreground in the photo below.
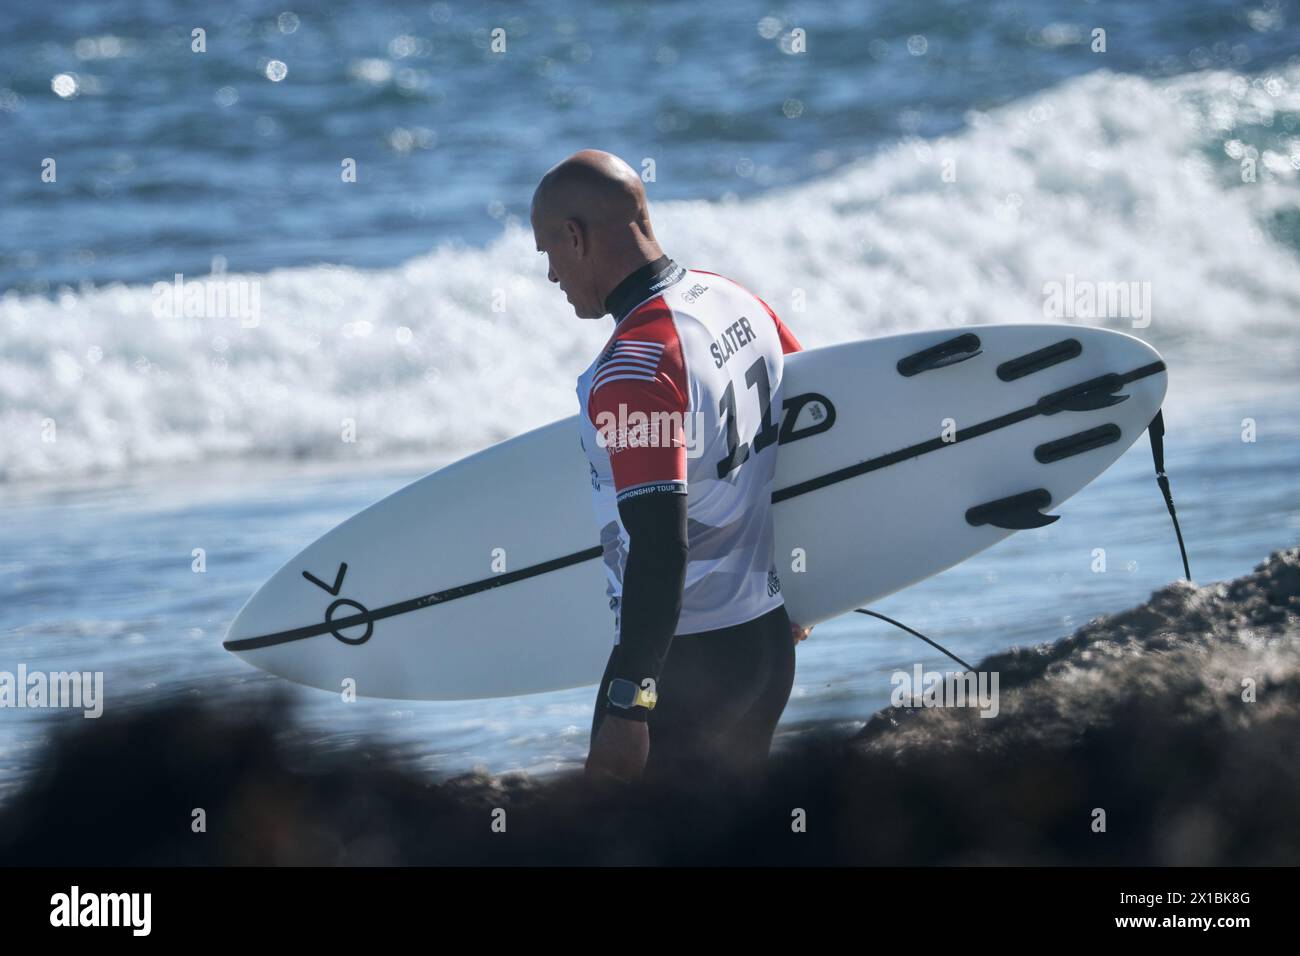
(1175, 722)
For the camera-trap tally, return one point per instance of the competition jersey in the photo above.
(685, 398)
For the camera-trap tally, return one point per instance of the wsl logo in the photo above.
(773, 583)
(692, 295)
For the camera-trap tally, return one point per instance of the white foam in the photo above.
(1107, 178)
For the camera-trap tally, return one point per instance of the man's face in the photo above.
(564, 245)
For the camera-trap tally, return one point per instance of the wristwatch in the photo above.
(624, 694)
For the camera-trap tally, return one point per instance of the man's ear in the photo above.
(577, 237)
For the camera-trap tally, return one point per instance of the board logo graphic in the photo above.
(361, 609)
(804, 416)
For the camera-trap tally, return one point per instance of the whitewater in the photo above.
(1105, 178)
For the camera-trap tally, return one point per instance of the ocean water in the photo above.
(916, 166)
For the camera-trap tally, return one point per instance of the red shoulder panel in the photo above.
(639, 399)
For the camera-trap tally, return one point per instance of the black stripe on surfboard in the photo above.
(1081, 394)
(425, 600)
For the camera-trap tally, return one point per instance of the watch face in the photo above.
(622, 693)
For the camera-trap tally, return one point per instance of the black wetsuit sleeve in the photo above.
(653, 578)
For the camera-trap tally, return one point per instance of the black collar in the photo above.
(646, 282)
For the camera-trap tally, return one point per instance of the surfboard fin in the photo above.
(1092, 394)
(1015, 513)
(956, 350)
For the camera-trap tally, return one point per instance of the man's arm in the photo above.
(646, 377)
(652, 586)
(650, 481)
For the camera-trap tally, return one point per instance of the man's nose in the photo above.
(550, 274)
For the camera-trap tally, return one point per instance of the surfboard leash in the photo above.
(934, 644)
(1156, 430)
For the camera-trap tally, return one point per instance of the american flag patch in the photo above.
(628, 358)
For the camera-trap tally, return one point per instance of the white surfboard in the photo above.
(899, 457)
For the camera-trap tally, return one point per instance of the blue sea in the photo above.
(866, 169)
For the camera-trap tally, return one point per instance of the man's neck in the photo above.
(642, 283)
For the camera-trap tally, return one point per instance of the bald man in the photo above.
(680, 419)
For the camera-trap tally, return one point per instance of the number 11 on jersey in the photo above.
(738, 451)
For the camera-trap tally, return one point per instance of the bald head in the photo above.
(597, 188)
(590, 217)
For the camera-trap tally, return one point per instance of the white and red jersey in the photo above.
(695, 350)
